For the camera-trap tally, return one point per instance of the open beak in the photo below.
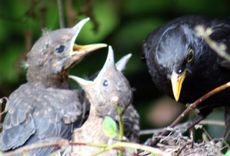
(177, 82)
(79, 51)
(86, 49)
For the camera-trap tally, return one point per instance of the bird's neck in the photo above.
(52, 80)
(92, 112)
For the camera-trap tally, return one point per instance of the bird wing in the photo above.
(221, 34)
(35, 114)
(131, 123)
(18, 124)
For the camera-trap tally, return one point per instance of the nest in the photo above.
(177, 144)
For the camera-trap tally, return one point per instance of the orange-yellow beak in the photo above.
(79, 51)
(177, 82)
(85, 49)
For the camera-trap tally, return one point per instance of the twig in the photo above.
(119, 145)
(120, 122)
(71, 12)
(61, 13)
(199, 101)
(99, 145)
(212, 122)
(191, 107)
(181, 126)
(158, 130)
(121, 125)
(63, 142)
(57, 143)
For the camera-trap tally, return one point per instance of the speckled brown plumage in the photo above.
(45, 108)
(109, 89)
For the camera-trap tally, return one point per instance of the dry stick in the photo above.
(212, 122)
(119, 145)
(191, 107)
(57, 143)
(64, 142)
(182, 126)
(60, 5)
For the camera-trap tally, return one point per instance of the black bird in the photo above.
(183, 65)
(44, 108)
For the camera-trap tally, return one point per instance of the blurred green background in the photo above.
(121, 23)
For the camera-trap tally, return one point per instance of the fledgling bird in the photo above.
(108, 90)
(183, 65)
(44, 108)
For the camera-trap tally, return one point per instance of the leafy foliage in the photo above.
(109, 127)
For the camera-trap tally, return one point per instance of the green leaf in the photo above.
(109, 127)
(227, 153)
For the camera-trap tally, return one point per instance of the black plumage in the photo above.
(184, 66)
(44, 108)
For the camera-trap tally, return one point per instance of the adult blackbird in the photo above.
(184, 66)
(107, 91)
(44, 108)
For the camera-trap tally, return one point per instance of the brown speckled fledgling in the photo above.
(109, 89)
(45, 108)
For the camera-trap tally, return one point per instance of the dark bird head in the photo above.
(110, 88)
(174, 51)
(55, 53)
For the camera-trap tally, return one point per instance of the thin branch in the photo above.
(120, 145)
(63, 142)
(120, 122)
(99, 145)
(191, 107)
(212, 122)
(121, 125)
(60, 4)
(28, 148)
(181, 126)
(199, 101)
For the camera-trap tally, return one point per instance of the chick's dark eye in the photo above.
(60, 49)
(105, 83)
(190, 56)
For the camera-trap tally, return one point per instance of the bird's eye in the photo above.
(180, 71)
(60, 49)
(190, 55)
(105, 83)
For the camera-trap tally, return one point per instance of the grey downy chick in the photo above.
(44, 108)
(108, 90)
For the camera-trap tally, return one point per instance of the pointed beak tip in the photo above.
(102, 45)
(176, 96)
(75, 78)
(87, 18)
(71, 77)
(177, 82)
(86, 49)
(176, 99)
(93, 47)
